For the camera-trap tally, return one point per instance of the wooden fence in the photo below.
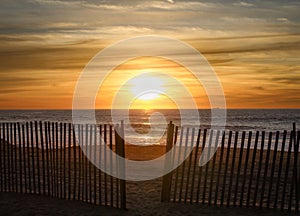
(249, 169)
(43, 158)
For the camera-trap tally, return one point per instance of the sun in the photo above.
(148, 96)
(146, 86)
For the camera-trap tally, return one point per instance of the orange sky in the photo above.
(152, 67)
(252, 46)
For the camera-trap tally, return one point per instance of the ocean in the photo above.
(237, 120)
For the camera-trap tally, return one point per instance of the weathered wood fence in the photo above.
(43, 158)
(249, 169)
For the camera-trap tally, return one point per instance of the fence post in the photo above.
(1, 157)
(167, 179)
(298, 180)
(295, 175)
(120, 150)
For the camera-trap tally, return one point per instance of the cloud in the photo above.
(283, 20)
(175, 6)
(87, 18)
(78, 4)
(249, 43)
(243, 4)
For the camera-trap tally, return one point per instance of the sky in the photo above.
(253, 46)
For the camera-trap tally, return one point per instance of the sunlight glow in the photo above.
(146, 86)
(149, 96)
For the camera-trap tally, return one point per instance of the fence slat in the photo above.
(273, 168)
(52, 155)
(200, 168)
(86, 167)
(226, 167)
(220, 168)
(111, 167)
(232, 167)
(89, 152)
(287, 171)
(56, 160)
(20, 157)
(24, 156)
(105, 165)
(51, 149)
(64, 158)
(97, 162)
(83, 164)
(47, 159)
(79, 133)
(100, 158)
(194, 167)
(37, 156)
(213, 168)
(259, 167)
(252, 167)
(207, 165)
(4, 157)
(189, 165)
(69, 160)
(43, 157)
(14, 135)
(183, 164)
(177, 169)
(9, 157)
(266, 171)
(239, 167)
(12, 157)
(61, 162)
(75, 163)
(280, 168)
(246, 168)
(28, 156)
(32, 155)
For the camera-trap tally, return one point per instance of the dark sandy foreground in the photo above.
(28, 204)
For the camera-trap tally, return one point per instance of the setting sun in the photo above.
(148, 96)
(146, 86)
(144, 83)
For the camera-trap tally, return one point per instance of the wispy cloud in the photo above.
(283, 19)
(244, 4)
(78, 4)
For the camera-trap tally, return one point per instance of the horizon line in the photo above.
(235, 108)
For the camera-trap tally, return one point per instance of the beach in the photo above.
(29, 204)
(143, 198)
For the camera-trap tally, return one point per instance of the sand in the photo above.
(143, 198)
(139, 203)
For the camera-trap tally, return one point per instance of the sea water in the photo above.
(268, 120)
